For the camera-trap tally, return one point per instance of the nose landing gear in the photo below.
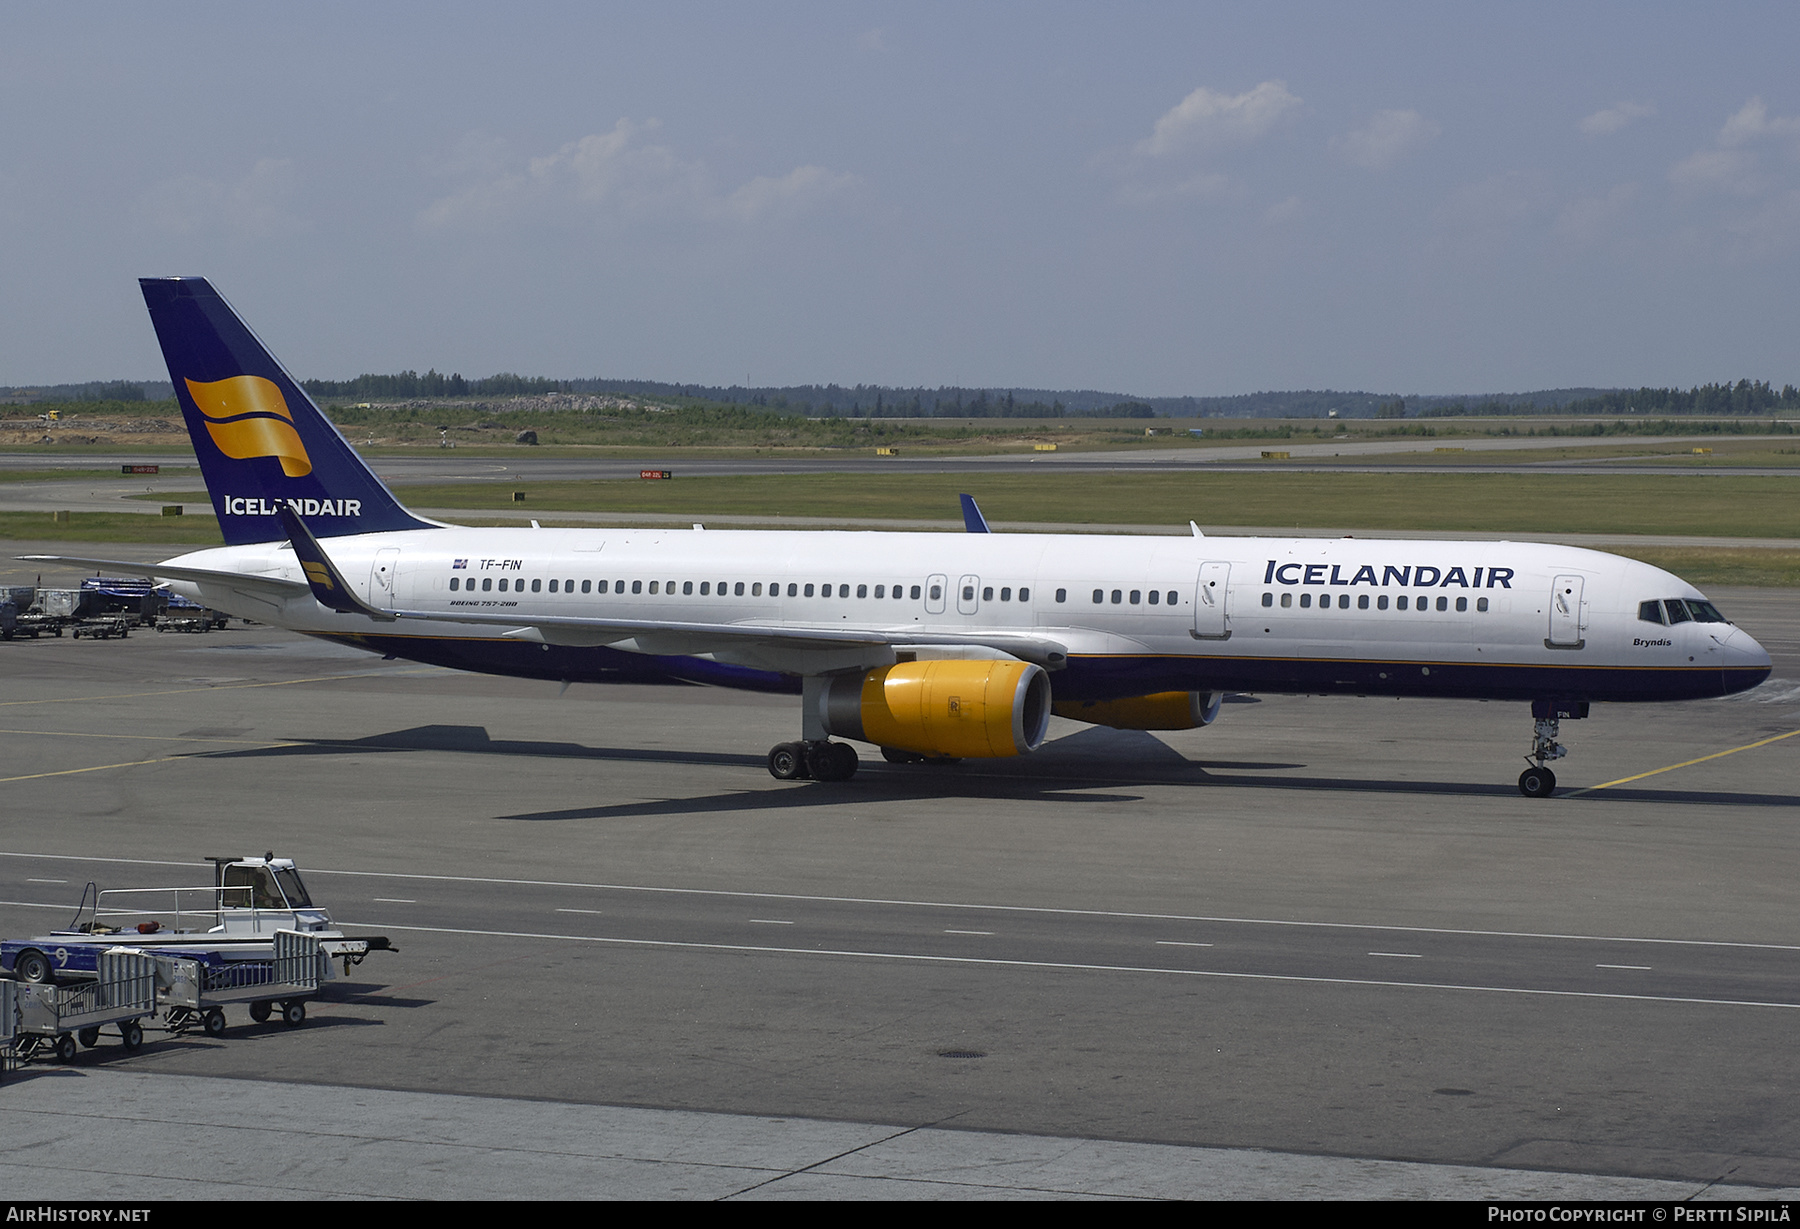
(1538, 781)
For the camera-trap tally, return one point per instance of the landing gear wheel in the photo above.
(131, 1033)
(64, 1048)
(1537, 782)
(293, 1014)
(831, 761)
(259, 1011)
(213, 1022)
(787, 762)
(33, 967)
(88, 1037)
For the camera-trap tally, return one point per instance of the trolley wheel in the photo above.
(131, 1033)
(33, 966)
(89, 1037)
(259, 1011)
(293, 1014)
(64, 1048)
(213, 1022)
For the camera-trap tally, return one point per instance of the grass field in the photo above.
(1709, 506)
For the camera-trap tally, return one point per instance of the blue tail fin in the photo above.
(261, 441)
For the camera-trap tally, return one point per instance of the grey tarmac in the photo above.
(1322, 947)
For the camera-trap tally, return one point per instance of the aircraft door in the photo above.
(968, 595)
(382, 576)
(935, 587)
(1209, 602)
(1565, 614)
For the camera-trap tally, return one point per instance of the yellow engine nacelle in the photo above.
(1166, 710)
(956, 709)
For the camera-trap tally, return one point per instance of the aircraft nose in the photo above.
(1746, 663)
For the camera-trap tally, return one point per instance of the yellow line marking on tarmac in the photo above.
(66, 772)
(1684, 764)
(181, 691)
(151, 738)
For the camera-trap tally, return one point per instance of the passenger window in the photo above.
(843, 590)
(587, 584)
(1062, 595)
(1462, 603)
(1174, 597)
(1099, 596)
(1400, 604)
(1443, 603)
(487, 583)
(687, 588)
(1006, 595)
(1287, 600)
(880, 590)
(1024, 595)
(1362, 601)
(737, 590)
(756, 589)
(1306, 601)
(568, 587)
(1381, 602)
(987, 593)
(1155, 596)
(1343, 601)
(968, 593)
(793, 589)
(1481, 603)
(637, 586)
(553, 586)
(537, 586)
(654, 585)
(455, 583)
(809, 591)
(1268, 599)
(1117, 596)
(1136, 596)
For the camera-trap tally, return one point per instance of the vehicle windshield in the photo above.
(296, 891)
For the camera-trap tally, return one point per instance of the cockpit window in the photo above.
(1677, 610)
(1705, 612)
(1650, 612)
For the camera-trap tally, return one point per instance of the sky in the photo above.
(1152, 199)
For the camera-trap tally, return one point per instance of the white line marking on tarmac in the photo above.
(1179, 943)
(1078, 967)
(770, 921)
(1399, 955)
(1640, 967)
(988, 933)
(392, 900)
(581, 911)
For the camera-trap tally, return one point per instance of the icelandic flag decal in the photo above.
(460, 563)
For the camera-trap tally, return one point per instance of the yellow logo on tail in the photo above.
(318, 574)
(247, 417)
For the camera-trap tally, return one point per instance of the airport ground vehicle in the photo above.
(237, 917)
(930, 646)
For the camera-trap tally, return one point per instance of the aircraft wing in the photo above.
(263, 586)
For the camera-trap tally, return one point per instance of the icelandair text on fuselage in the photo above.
(1679, 1213)
(252, 505)
(1424, 576)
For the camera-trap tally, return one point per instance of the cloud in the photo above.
(1207, 119)
(1388, 137)
(1282, 212)
(1591, 217)
(1721, 170)
(794, 193)
(618, 174)
(1754, 121)
(253, 207)
(1605, 123)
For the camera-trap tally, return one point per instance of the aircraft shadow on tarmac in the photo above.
(1091, 757)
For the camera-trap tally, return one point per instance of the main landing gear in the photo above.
(1538, 781)
(813, 759)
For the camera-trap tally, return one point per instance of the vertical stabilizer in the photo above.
(261, 441)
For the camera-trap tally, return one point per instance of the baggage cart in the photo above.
(52, 1018)
(196, 989)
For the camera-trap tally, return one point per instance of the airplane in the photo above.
(931, 646)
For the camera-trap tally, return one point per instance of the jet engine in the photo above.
(951, 709)
(1165, 710)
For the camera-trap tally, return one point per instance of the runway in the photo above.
(1323, 931)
